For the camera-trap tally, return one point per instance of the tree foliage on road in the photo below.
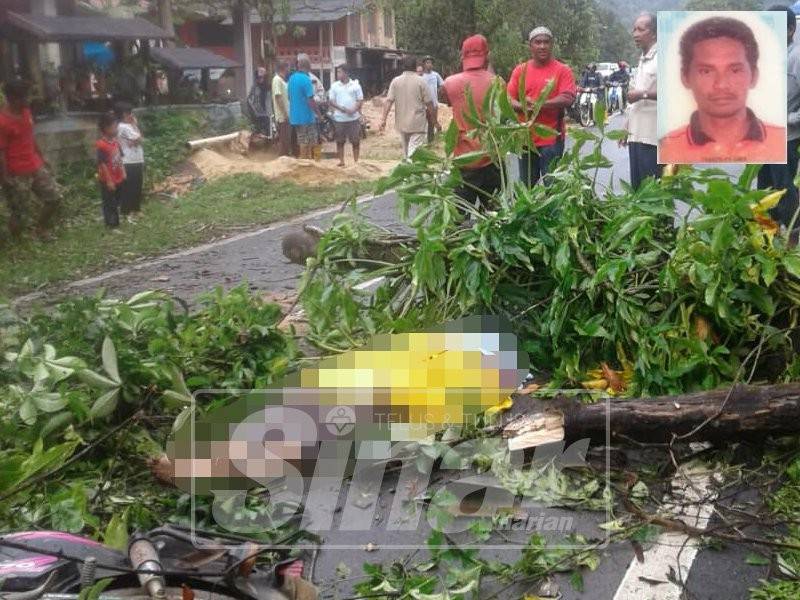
(587, 277)
(584, 31)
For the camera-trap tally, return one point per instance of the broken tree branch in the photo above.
(741, 411)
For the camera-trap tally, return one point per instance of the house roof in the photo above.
(59, 29)
(191, 58)
(312, 11)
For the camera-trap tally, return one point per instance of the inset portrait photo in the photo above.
(722, 87)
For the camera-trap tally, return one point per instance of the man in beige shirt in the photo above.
(641, 123)
(280, 100)
(413, 107)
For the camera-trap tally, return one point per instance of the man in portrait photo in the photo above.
(719, 66)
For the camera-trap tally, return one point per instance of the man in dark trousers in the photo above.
(538, 72)
(482, 177)
(781, 176)
(641, 116)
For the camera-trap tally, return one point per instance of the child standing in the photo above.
(130, 141)
(110, 170)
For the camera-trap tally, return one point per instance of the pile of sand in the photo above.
(388, 145)
(384, 152)
(373, 111)
(214, 164)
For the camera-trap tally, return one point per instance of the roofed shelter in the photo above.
(193, 59)
(46, 28)
(39, 36)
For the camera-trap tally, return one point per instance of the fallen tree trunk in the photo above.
(716, 415)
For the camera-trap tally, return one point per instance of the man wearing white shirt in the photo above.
(434, 82)
(130, 141)
(641, 125)
(345, 98)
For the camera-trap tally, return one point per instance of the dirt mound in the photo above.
(373, 110)
(214, 164)
(388, 145)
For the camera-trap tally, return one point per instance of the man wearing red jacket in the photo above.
(540, 70)
(23, 172)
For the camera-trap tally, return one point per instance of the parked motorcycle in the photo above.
(168, 563)
(587, 100)
(616, 100)
(327, 128)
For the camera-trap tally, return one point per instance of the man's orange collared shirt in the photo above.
(763, 143)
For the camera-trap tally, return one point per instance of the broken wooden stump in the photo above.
(744, 411)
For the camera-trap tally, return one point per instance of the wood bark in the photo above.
(716, 415)
(165, 20)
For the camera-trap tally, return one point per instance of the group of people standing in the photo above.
(120, 165)
(27, 182)
(482, 178)
(416, 92)
(299, 104)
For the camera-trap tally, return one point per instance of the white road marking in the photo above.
(672, 550)
(89, 281)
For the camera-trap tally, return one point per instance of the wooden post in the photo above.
(321, 60)
(243, 48)
(33, 64)
(165, 19)
(330, 50)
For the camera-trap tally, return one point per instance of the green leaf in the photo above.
(630, 226)
(451, 138)
(49, 401)
(600, 115)
(562, 257)
(28, 412)
(116, 533)
(181, 419)
(94, 591)
(722, 238)
(469, 157)
(105, 404)
(543, 130)
(576, 579)
(748, 176)
(616, 134)
(96, 380)
(179, 384)
(791, 263)
(56, 423)
(109, 354)
(756, 559)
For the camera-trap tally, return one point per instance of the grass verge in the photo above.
(208, 212)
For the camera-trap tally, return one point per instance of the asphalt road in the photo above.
(256, 257)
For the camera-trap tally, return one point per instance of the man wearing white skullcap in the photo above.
(540, 70)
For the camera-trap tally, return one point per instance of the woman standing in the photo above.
(130, 140)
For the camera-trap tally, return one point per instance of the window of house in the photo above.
(354, 26)
(388, 23)
(372, 21)
(210, 33)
